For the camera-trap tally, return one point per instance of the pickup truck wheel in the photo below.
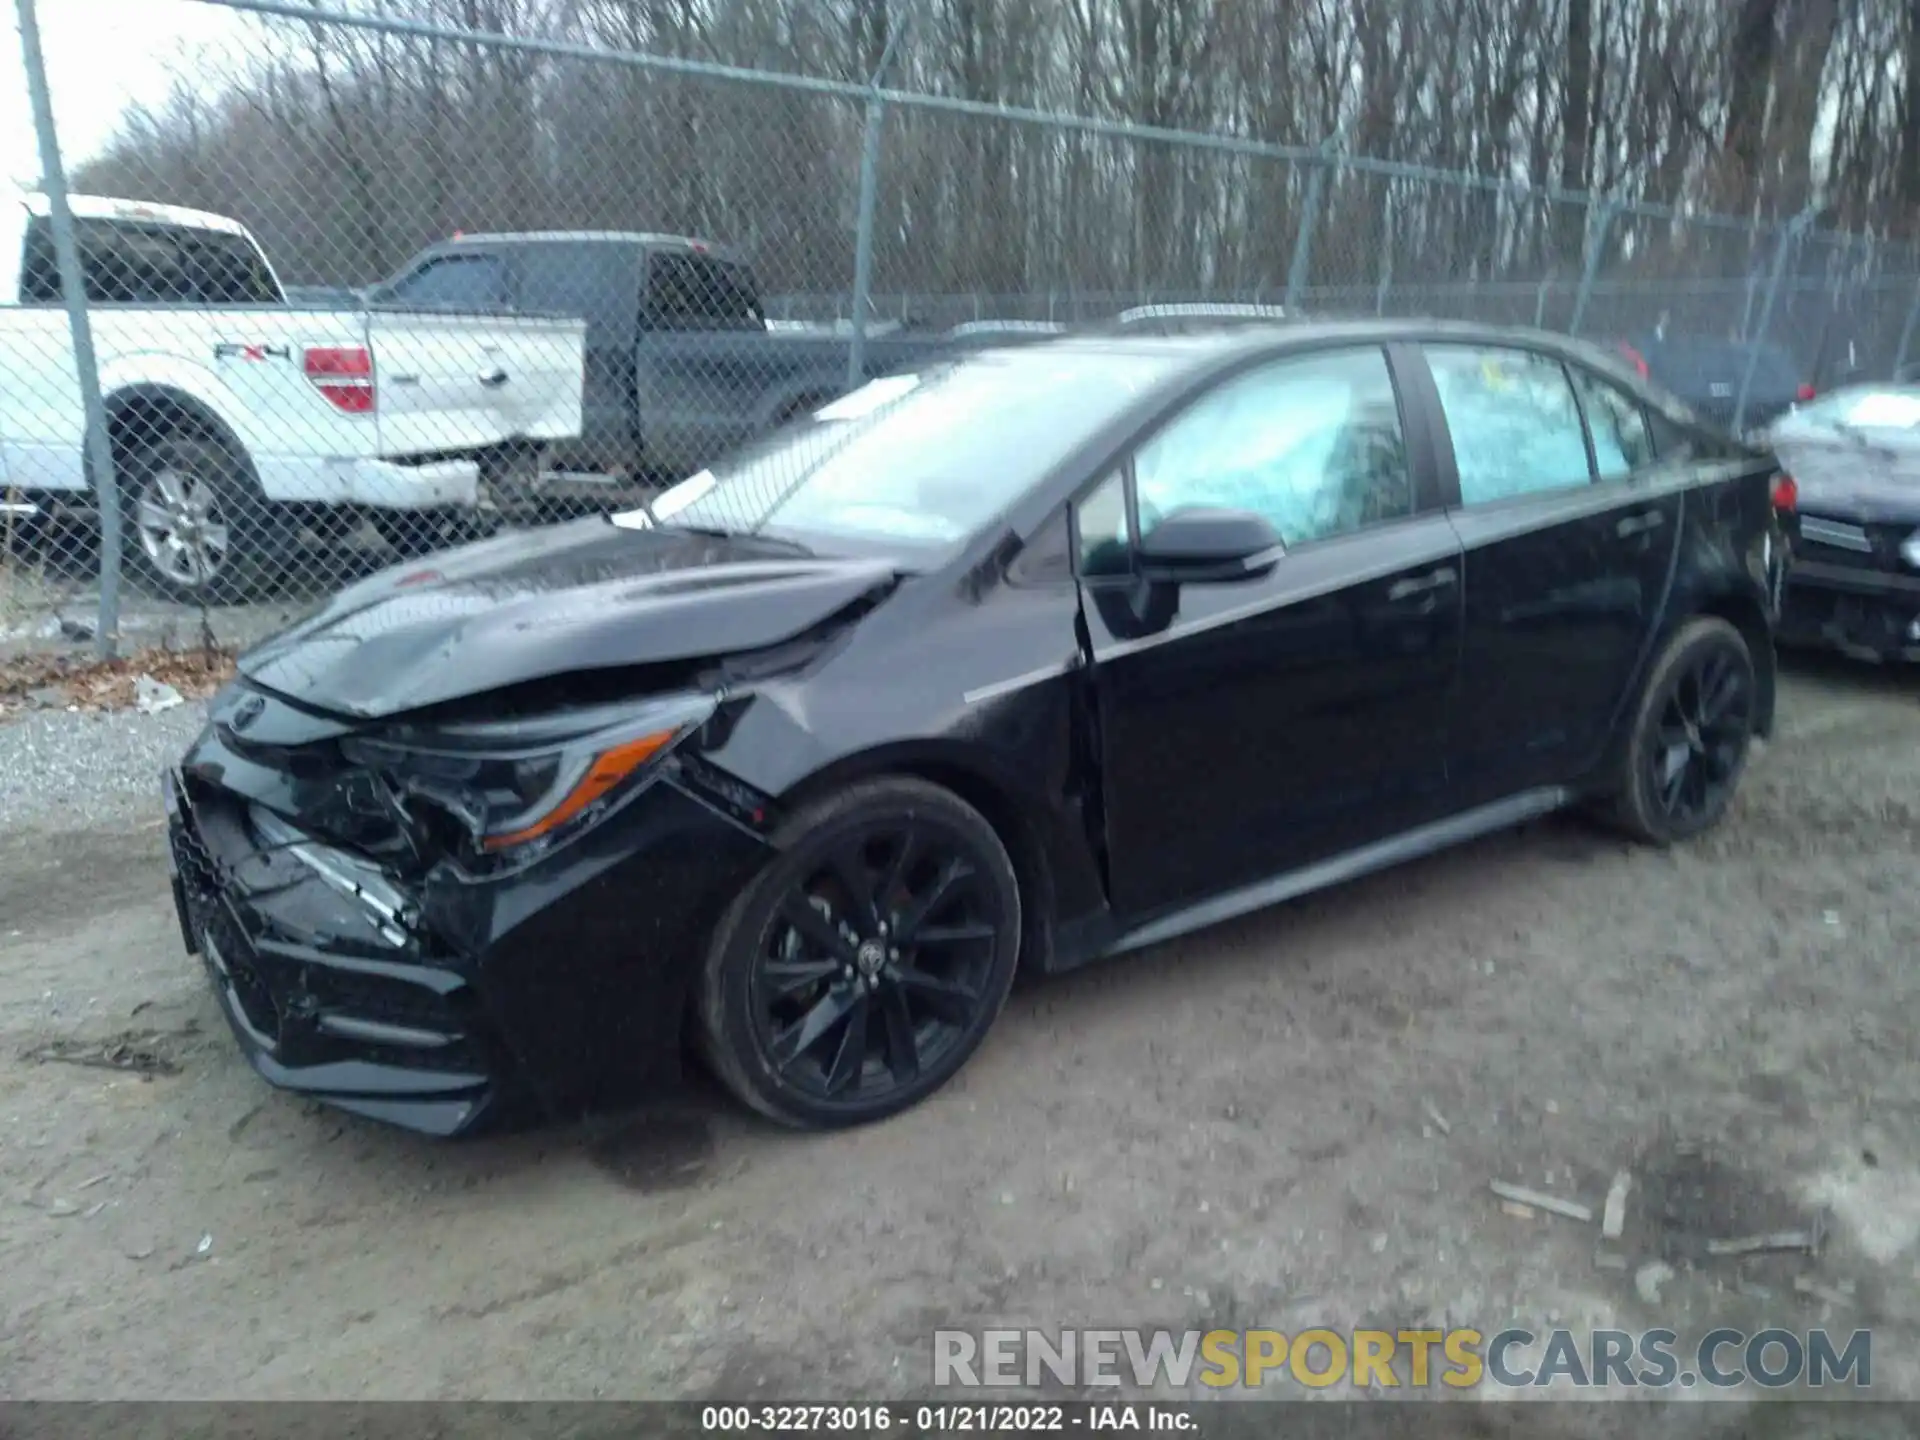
(196, 528)
(413, 533)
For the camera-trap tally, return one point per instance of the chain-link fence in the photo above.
(394, 283)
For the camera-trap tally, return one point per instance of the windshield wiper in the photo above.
(756, 534)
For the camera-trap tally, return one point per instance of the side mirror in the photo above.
(1202, 544)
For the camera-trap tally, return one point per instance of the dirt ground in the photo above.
(1289, 1121)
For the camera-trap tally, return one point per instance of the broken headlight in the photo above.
(521, 786)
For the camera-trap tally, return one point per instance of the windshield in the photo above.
(922, 460)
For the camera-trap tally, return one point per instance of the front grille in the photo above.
(1847, 542)
(235, 961)
(303, 962)
(212, 930)
(199, 873)
(1835, 535)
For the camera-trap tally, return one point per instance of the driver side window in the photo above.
(1312, 443)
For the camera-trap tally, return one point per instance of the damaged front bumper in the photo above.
(330, 993)
(1869, 614)
(451, 1002)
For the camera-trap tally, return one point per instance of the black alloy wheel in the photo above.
(1691, 735)
(863, 967)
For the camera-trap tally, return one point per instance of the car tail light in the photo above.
(1635, 359)
(344, 374)
(1805, 393)
(1786, 494)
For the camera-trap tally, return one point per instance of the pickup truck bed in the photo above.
(681, 364)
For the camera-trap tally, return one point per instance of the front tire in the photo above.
(863, 966)
(1690, 736)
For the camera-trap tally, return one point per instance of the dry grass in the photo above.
(93, 684)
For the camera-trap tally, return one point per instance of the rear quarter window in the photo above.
(591, 280)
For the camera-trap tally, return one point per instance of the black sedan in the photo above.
(1854, 585)
(1035, 657)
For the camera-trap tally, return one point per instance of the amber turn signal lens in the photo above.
(609, 768)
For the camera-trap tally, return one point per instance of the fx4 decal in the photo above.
(229, 351)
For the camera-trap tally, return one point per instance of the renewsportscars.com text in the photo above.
(1459, 1359)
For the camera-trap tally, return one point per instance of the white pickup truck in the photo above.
(239, 420)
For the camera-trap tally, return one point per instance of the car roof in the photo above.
(644, 239)
(108, 207)
(1204, 348)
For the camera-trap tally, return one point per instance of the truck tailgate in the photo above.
(449, 383)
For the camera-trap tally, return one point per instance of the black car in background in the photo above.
(1023, 659)
(1854, 586)
(1707, 372)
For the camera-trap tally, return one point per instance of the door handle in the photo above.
(1406, 589)
(1641, 524)
(493, 379)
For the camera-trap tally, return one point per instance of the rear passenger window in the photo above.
(590, 281)
(693, 292)
(1622, 442)
(1515, 425)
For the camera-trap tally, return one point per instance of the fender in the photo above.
(162, 376)
(203, 416)
(1048, 843)
(820, 382)
(928, 757)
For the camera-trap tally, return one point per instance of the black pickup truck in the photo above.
(681, 361)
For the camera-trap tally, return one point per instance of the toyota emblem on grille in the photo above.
(246, 712)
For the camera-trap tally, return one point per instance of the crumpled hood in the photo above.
(582, 596)
(1864, 483)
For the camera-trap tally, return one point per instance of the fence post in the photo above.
(863, 242)
(1600, 226)
(73, 291)
(869, 198)
(1906, 332)
(1298, 271)
(1789, 240)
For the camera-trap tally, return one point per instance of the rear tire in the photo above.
(862, 967)
(413, 533)
(195, 527)
(1690, 736)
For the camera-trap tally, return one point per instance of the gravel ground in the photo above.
(80, 772)
(1236, 1129)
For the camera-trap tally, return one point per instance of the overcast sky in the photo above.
(102, 56)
